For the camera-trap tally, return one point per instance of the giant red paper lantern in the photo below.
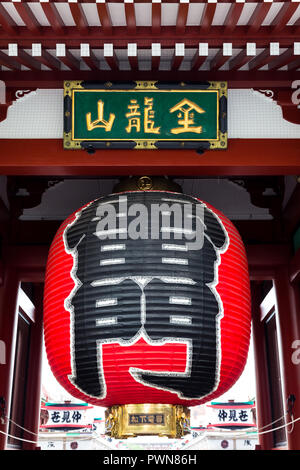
(149, 318)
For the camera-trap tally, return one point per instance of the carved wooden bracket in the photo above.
(266, 192)
(26, 192)
(288, 99)
(12, 94)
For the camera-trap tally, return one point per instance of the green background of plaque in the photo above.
(116, 102)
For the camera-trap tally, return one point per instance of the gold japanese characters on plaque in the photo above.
(145, 115)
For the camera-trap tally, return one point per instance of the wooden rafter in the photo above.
(258, 16)
(45, 58)
(214, 36)
(219, 60)
(69, 60)
(138, 1)
(111, 57)
(178, 56)
(104, 16)
(28, 17)
(79, 17)
(132, 56)
(199, 57)
(233, 16)
(261, 60)
(53, 17)
(130, 16)
(284, 15)
(91, 61)
(7, 22)
(208, 16)
(286, 58)
(238, 61)
(26, 59)
(89, 57)
(155, 56)
(294, 65)
(156, 17)
(182, 14)
(9, 62)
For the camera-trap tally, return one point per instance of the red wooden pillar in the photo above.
(288, 322)
(263, 410)
(8, 325)
(33, 392)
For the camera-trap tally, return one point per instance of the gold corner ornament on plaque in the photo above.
(124, 421)
(145, 115)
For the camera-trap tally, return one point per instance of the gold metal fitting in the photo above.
(146, 183)
(123, 421)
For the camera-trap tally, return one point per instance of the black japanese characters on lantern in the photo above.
(160, 288)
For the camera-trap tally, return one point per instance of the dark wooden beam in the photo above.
(198, 60)
(53, 17)
(150, 1)
(243, 157)
(130, 17)
(215, 36)
(26, 59)
(218, 61)
(258, 16)
(133, 58)
(155, 57)
(294, 268)
(28, 17)
(261, 79)
(177, 58)
(47, 59)
(268, 256)
(208, 16)
(182, 14)
(283, 16)
(69, 60)
(9, 61)
(156, 18)
(238, 61)
(104, 16)
(79, 17)
(262, 59)
(291, 213)
(111, 58)
(91, 61)
(283, 59)
(233, 16)
(294, 65)
(6, 21)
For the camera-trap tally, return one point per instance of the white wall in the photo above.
(39, 115)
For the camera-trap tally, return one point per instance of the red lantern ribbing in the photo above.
(137, 311)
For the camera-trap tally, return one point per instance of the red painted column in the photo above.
(288, 322)
(33, 392)
(8, 325)
(263, 410)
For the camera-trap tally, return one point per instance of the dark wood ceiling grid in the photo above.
(219, 25)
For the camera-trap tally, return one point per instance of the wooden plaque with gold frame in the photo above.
(145, 115)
